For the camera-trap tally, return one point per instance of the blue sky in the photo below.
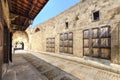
(51, 9)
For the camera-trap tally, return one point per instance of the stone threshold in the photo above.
(111, 68)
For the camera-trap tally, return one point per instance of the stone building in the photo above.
(13, 23)
(81, 43)
(89, 30)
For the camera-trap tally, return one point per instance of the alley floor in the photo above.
(40, 66)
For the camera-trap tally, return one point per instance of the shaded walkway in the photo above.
(21, 69)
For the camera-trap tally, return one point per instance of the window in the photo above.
(96, 16)
(66, 25)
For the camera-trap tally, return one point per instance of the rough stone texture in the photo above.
(79, 17)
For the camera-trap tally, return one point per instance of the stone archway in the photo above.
(20, 40)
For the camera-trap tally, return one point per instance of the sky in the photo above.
(51, 9)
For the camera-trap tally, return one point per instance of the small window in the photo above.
(66, 25)
(96, 16)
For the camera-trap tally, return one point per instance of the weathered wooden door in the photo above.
(66, 42)
(97, 42)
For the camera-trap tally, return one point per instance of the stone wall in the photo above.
(4, 24)
(78, 18)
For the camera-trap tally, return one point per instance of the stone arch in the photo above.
(37, 29)
(21, 38)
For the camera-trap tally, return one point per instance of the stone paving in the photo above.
(39, 66)
(48, 70)
(77, 70)
(21, 69)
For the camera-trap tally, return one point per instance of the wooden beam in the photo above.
(21, 8)
(32, 7)
(29, 3)
(20, 11)
(14, 24)
(20, 16)
(30, 11)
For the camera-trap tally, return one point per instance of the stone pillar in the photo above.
(57, 43)
(78, 43)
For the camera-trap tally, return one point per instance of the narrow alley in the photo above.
(80, 43)
(47, 66)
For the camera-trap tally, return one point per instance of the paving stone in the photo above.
(80, 71)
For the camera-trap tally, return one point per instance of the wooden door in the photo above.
(97, 42)
(66, 42)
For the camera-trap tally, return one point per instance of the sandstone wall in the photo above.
(79, 17)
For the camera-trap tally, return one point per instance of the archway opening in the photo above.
(20, 40)
(19, 46)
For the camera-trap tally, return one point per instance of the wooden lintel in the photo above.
(17, 25)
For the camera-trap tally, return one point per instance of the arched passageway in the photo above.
(20, 40)
(19, 46)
